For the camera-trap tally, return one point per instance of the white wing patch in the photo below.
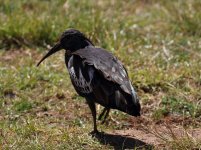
(134, 94)
(80, 82)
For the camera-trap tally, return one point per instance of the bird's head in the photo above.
(70, 40)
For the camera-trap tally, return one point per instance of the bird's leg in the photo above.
(102, 113)
(92, 107)
(106, 115)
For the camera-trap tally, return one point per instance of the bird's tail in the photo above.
(128, 103)
(134, 107)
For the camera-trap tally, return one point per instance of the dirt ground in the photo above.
(147, 135)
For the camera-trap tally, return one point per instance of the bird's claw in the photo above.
(94, 133)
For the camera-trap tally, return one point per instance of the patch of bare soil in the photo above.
(159, 135)
(145, 134)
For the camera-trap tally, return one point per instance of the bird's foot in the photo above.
(94, 133)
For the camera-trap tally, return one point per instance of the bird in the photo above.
(97, 75)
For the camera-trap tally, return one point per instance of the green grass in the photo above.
(157, 40)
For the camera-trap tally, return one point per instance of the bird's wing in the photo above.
(108, 65)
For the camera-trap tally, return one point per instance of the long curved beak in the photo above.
(53, 50)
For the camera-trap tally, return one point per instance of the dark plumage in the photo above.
(97, 75)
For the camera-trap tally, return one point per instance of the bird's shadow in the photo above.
(120, 142)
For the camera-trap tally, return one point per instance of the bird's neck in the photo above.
(89, 43)
(80, 45)
(85, 43)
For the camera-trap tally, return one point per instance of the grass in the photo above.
(158, 42)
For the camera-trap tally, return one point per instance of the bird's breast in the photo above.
(79, 81)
